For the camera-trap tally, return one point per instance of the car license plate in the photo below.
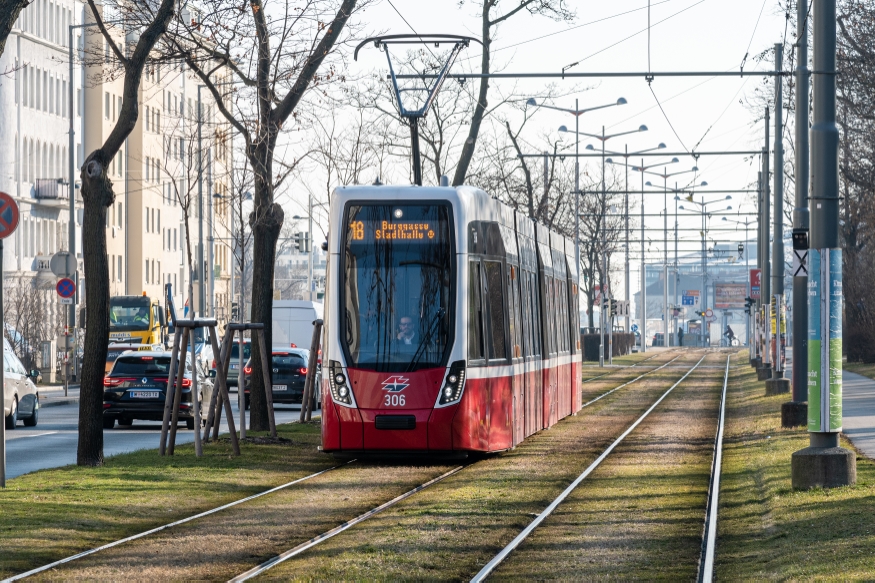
(280, 388)
(145, 394)
(233, 366)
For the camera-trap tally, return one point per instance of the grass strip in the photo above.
(639, 516)
(51, 514)
(452, 529)
(767, 530)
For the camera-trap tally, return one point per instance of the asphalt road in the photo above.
(52, 443)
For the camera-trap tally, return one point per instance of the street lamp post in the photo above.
(746, 223)
(603, 138)
(625, 165)
(576, 112)
(703, 209)
(666, 338)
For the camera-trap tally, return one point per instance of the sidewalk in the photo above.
(858, 409)
(53, 395)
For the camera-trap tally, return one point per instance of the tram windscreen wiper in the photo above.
(420, 350)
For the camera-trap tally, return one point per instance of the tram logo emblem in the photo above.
(395, 384)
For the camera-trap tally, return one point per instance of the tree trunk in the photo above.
(480, 109)
(266, 222)
(9, 11)
(97, 196)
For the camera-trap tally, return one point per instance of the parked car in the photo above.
(234, 367)
(136, 388)
(288, 373)
(21, 396)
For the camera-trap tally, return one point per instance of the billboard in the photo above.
(729, 296)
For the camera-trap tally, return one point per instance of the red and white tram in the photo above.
(450, 323)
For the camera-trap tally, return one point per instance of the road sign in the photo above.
(66, 288)
(634, 327)
(755, 276)
(688, 301)
(8, 215)
(709, 313)
(63, 264)
(66, 301)
(800, 263)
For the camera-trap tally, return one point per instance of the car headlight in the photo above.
(454, 385)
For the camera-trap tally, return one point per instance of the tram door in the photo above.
(516, 352)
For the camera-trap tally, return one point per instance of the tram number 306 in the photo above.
(394, 401)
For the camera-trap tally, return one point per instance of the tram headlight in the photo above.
(454, 384)
(340, 393)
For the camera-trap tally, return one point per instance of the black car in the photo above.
(136, 388)
(288, 373)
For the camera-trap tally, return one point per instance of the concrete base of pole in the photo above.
(756, 362)
(823, 464)
(764, 372)
(777, 385)
(794, 414)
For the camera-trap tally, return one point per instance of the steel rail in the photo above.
(651, 155)
(612, 371)
(491, 565)
(593, 74)
(590, 402)
(709, 534)
(166, 526)
(255, 571)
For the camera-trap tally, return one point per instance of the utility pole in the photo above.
(824, 464)
(765, 370)
(757, 360)
(309, 244)
(643, 271)
(795, 412)
(778, 384)
(628, 294)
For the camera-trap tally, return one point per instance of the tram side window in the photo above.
(495, 293)
(475, 312)
(550, 323)
(536, 313)
(518, 337)
(513, 313)
(563, 315)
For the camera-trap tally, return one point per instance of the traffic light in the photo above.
(235, 311)
(748, 303)
(612, 306)
(299, 241)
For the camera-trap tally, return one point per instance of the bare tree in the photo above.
(9, 11)
(490, 17)
(31, 316)
(276, 58)
(97, 196)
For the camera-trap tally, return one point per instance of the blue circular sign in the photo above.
(66, 287)
(634, 327)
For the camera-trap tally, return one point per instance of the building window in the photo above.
(106, 105)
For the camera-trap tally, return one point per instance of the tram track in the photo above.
(562, 525)
(301, 548)
(313, 541)
(610, 372)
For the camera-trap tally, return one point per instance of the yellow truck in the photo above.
(137, 320)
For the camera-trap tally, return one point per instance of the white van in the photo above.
(293, 323)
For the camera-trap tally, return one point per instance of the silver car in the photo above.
(21, 399)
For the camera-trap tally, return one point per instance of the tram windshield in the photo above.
(398, 272)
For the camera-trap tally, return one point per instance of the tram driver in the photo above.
(407, 335)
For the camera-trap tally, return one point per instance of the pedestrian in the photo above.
(680, 335)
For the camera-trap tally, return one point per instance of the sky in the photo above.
(701, 113)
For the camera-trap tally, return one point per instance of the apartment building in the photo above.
(153, 175)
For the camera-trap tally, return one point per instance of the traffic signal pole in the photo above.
(824, 464)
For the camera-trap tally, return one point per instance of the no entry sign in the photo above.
(8, 215)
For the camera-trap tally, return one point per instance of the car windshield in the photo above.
(142, 365)
(398, 272)
(235, 351)
(129, 314)
(288, 361)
